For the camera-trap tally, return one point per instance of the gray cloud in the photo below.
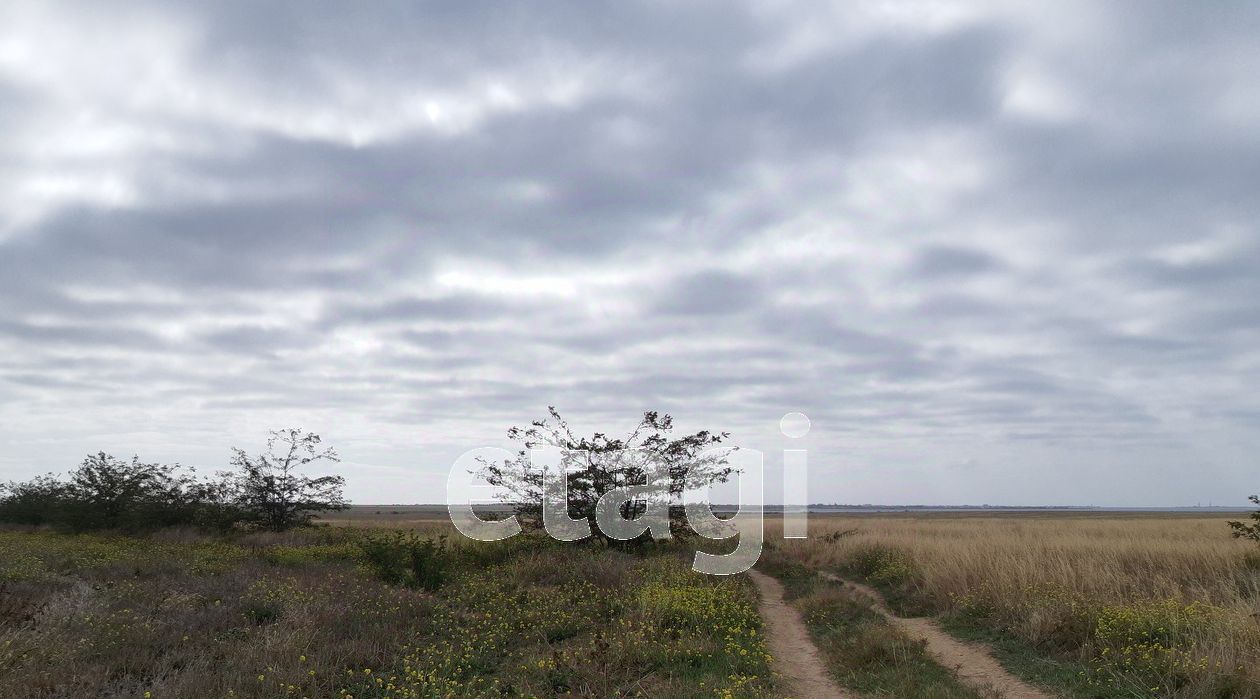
(709, 293)
(948, 261)
(1009, 237)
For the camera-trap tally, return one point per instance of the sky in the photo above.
(995, 253)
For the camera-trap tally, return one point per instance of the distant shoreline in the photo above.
(874, 509)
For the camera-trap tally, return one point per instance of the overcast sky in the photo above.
(996, 255)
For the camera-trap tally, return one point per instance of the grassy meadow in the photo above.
(1083, 605)
(1092, 605)
(303, 614)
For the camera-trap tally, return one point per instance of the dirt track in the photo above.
(796, 658)
(971, 663)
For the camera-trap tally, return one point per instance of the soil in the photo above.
(971, 663)
(796, 658)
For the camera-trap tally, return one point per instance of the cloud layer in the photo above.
(995, 255)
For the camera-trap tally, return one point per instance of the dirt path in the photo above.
(796, 658)
(971, 663)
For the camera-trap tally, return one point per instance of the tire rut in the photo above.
(971, 663)
(796, 658)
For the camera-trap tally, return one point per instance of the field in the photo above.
(1094, 605)
(302, 615)
(1081, 605)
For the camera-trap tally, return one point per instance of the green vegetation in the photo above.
(650, 467)
(1093, 607)
(1242, 530)
(893, 572)
(104, 493)
(863, 651)
(1038, 665)
(1150, 647)
(108, 493)
(306, 614)
(408, 559)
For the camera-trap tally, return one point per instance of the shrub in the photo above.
(883, 565)
(41, 500)
(260, 613)
(406, 558)
(109, 493)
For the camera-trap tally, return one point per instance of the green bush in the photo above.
(105, 493)
(406, 558)
(883, 565)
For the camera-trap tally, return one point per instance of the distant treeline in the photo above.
(265, 491)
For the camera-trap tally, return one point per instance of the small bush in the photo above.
(406, 558)
(883, 565)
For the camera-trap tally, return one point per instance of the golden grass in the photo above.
(1170, 602)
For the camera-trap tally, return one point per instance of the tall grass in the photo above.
(1162, 606)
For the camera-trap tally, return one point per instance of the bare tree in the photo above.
(274, 493)
(596, 465)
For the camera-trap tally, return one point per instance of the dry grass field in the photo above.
(1139, 605)
(1085, 605)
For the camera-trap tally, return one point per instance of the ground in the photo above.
(1069, 604)
(179, 614)
(1078, 604)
